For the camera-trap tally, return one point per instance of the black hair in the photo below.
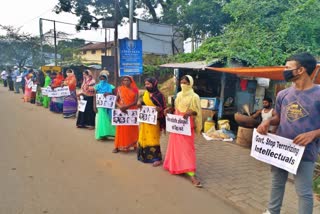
(185, 78)
(305, 60)
(86, 72)
(69, 71)
(54, 73)
(269, 100)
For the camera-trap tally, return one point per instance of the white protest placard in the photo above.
(130, 118)
(105, 102)
(58, 92)
(277, 151)
(177, 124)
(34, 88)
(30, 84)
(82, 105)
(148, 114)
(44, 91)
(19, 79)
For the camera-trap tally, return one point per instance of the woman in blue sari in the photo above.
(104, 129)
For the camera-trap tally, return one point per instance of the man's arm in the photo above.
(307, 137)
(263, 128)
(257, 114)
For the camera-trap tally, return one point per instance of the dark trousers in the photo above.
(5, 83)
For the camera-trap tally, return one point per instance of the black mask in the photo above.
(150, 89)
(288, 75)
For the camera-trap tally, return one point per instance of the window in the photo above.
(93, 51)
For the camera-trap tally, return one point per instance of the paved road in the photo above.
(49, 166)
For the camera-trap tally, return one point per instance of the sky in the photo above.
(26, 14)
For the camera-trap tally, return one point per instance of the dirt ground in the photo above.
(47, 165)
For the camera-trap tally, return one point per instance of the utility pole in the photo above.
(41, 41)
(131, 19)
(116, 42)
(55, 43)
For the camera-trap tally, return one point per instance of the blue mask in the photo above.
(288, 75)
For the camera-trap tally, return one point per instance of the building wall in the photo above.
(93, 56)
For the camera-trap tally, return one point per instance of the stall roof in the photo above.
(274, 73)
(197, 65)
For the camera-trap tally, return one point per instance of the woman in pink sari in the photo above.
(181, 156)
(27, 91)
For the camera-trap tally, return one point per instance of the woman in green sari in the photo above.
(47, 82)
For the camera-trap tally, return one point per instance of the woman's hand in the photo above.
(168, 110)
(123, 108)
(106, 94)
(95, 110)
(188, 114)
(158, 109)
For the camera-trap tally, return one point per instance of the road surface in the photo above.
(47, 165)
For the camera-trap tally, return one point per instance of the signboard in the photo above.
(130, 54)
(277, 151)
(19, 79)
(44, 91)
(30, 84)
(105, 102)
(177, 124)
(148, 114)
(82, 105)
(130, 118)
(58, 92)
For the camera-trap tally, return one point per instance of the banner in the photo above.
(177, 124)
(34, 88)
(58, 92)
(30, 84)
(82, 105)
(130, 57)
(277, 151)
(148, 114)
(105, 102)
(130, 118)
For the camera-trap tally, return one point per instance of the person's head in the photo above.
(186, 83)
(267, 102)
(53, 75)
(85, 73)
(299, 66)
(69, 72)
(151, 84)
(103, 76)
(48, 73)
(126, 81)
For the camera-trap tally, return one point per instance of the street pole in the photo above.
(41, 41)
(55, 43)
(131, 19)
(115, 42)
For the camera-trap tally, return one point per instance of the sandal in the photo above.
(156, 163)
(115, 150)
(195, 182)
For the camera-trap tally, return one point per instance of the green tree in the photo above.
(67, 48)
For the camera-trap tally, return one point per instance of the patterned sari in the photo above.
(70, 103)
(149, 135)
(56, 104)
(127, 136)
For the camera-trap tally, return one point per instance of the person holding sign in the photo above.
(181, 155)
(297, 116)
(149, 135)
(86, 119)
(34, 82)
(27, 90)
(127, 98)
(40, 83)
(47, 82)
(70, 103)
(56, 104)
(104, 128)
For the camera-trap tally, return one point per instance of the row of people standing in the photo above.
(180, 157)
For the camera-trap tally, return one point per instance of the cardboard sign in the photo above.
(19, 79)
(130, 118)
(34, 88)
(29, 84)
(82, 105)
(44, 91)
(277, 151)
(177, 124)
(148, 114)
(105, 102)
(58, 92)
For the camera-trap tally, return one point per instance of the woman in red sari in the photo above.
(127, 98)
(56, 104)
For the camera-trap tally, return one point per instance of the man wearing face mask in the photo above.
(297, 116)
(266, 113)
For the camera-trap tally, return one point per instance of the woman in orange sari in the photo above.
(56, 104)
(127, 98)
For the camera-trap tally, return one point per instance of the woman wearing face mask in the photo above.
(104, 128)
(86, 119)
(127, 98)
(149, 135)
(180, 157)
(70, 103)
